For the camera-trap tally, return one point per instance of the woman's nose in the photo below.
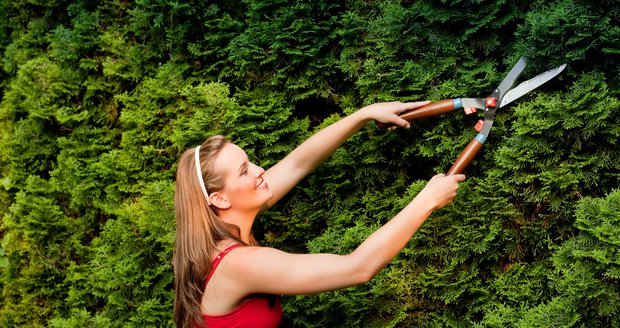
(258, 170)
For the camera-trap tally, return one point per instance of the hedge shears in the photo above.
(500, 97)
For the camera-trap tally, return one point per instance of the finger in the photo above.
(398, 123)
(403, 123)
(414, 105)
(459, 177)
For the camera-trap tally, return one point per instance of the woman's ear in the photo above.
(218, 200)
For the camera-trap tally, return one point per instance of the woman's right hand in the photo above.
(441, 190)
(387, 112)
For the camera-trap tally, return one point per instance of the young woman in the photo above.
(223, 278)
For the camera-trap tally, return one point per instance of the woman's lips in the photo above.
(262, 185)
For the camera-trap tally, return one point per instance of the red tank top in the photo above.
(256, 311)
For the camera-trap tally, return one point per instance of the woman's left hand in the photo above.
(387, 112)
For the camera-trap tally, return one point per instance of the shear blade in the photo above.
(530, 85)
(510, 79)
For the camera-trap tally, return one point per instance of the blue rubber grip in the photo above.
(457, 103)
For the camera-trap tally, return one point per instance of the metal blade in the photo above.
(499, 93)
(530, 85)
(510, 79)
(473, 102)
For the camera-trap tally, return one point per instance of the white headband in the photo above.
(200, 180)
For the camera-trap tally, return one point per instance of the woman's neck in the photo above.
(243, 221)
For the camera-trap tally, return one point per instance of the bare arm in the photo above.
(283, 176)
(266, 270)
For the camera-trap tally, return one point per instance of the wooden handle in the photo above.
(466, 156)
(432, 109)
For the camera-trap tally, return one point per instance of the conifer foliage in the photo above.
(99, 99)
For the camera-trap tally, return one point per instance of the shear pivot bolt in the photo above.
(491, 102)
(470, 110)
(479, 125)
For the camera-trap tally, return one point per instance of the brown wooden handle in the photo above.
(432, 109)
(466, 156)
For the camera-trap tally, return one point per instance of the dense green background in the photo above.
(99, 99)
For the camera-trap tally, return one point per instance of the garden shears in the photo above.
(500, 97)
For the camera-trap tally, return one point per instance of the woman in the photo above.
(223, 278)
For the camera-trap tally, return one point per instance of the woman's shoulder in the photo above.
(244, 261)
(224, 247)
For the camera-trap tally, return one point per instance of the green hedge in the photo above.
(99, 99)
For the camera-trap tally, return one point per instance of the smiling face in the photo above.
(244, 187)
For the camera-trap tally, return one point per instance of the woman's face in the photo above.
(244, 187)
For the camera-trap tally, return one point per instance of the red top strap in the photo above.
(219, 258)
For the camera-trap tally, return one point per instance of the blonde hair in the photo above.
(199, 229)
